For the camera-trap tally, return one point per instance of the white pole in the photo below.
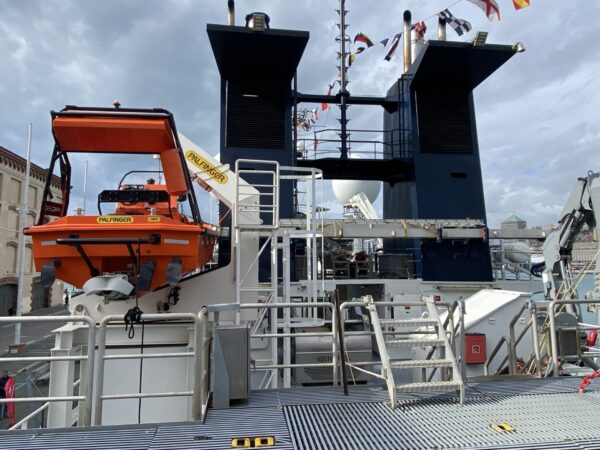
(23, 224)
(85, 168)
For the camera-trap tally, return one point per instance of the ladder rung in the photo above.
(411, 363)
(429, 386)
(414, 342)
(409, 322)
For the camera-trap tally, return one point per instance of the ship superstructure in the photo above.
(286, 338)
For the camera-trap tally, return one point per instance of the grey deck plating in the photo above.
(545, 414)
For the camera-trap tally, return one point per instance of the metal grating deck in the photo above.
(546, 414)
(221, 426)
(442, 424)
(215, 434)
(96, 439)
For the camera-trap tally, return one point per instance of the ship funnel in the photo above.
(406, 43)
(230, 12)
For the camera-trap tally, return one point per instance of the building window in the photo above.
(30, 219)
(13, 222)
(14, 191)
(11, 258)
(33, 197)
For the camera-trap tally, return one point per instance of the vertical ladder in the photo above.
(258, 214)
(435, 335)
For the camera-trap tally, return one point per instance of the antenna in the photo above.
(342, 38)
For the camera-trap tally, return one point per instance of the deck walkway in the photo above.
(544, 414)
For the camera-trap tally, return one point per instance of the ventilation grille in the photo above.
(444, 122)
(255, 116)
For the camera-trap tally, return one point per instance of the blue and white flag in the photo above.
(459, 25)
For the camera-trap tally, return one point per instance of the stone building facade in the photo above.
(12, 178)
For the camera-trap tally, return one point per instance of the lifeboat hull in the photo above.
(103, 246)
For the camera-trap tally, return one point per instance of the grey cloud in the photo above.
(536, 115)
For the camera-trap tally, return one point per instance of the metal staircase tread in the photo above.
(414, 342)
(429, 386)
(410, 363)
(408, 322)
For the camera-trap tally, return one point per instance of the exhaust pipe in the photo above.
(231, 13)
(441, 29)
(406, 42)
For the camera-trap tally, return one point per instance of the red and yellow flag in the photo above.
(520, 4)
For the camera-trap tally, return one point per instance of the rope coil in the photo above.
(134, 315)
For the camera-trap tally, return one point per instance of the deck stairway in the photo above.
(429, 332)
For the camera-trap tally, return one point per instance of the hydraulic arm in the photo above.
(582, 207)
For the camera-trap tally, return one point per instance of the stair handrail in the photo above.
(457, 375)
(513, 342)
(386, 369)
(492, 355)
(512, 352)
(459, 305)
(530, 304)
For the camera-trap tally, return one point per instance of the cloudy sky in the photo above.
(537, 116)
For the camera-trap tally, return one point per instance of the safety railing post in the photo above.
(99, 387)
(89, 371)
(337, 330)
(535, 337)
(512, 353)
(197, 398)
(461, 321)
(553, 340)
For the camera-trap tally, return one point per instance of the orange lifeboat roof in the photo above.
(113, 135)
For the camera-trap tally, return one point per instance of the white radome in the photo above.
(345, 189)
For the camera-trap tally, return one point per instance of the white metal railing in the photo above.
(313, 220)
(22, 424)
(512, 341)
(199, 392)
(88, 358)
(268, 190)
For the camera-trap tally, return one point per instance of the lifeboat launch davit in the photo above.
(155, 234)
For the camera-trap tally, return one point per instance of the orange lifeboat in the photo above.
(146, 240)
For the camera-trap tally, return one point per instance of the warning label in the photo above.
(206, 167)
(114, 219)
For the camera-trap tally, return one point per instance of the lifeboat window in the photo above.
(133, 197)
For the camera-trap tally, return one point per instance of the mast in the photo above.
(342, 39)
(22, 225)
